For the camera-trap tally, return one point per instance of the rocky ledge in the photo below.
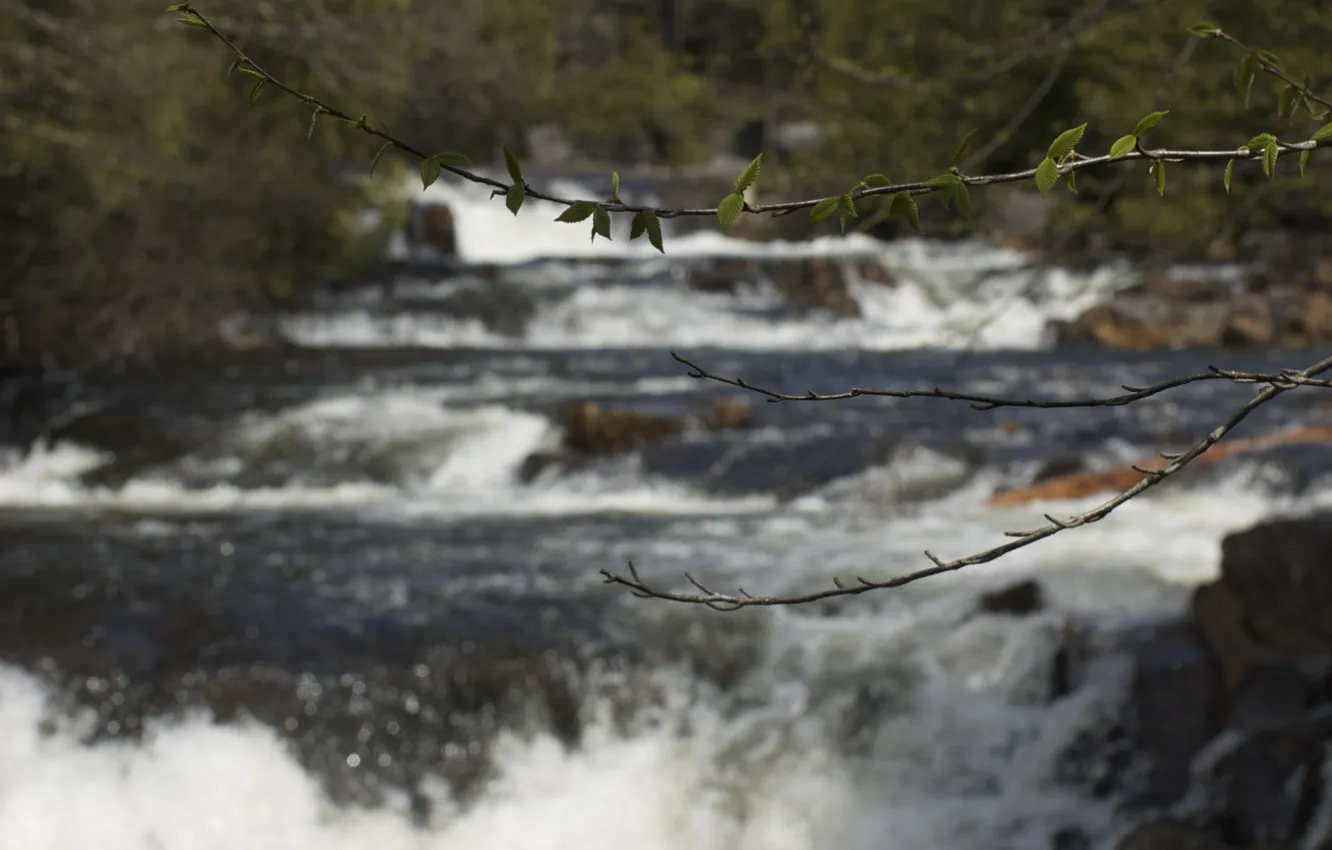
(1224, 740)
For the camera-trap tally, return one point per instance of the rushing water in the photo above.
(305, 601)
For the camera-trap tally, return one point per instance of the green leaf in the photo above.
(877, 181)
(1259, 142)
(943, 181)
(647, 221)
(449, 159)
(1244, 73)
(250, 72)
(823, 210)
(844, 220)
(904, 206)
(429, 172)
(379, 153)
(1157, 170)
(749, 175)
(191, 20)
(963, 198)
(577, 212)
(848, 205)
(513, 199)
(1047, 174)
(1065, 142)
(1073, 182)
(1287, 100)
(1148, 123)
(314, 119)
(1230, 173)
(1270, 58)
(254, 92)
(1304, 160)
(1323, 133)
(1270, 154)
(962, 149)
(511, 162)
(601, 224)
(615, 186)
(1122, 146)
(730, 208)
(1205, 29)
(179, 7)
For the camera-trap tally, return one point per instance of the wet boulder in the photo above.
(805, 284)
(1015, 600)
(431, 225)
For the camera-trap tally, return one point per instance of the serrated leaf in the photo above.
(1270, 154)
(962, 196)
(1204, 29)
(1259, 142)
(1304, 160)
(1122, 146)
(1047, 174)
(429, 172)
(877, 181)
(577, 212)
(943, 181)
(1323, 133)
(1244, 73)
(1065, 142)
(514, 197)
(1287, 100)
(379, 153)
(511, 163)
(904, 206)
(730, 208)
(1157, 170)
(844, 220)
(823, 210)
(615, 186)
(1149, 122)
(1270, 58)
(962, 149)
(1230, 173)
(848, 205)
(749, 175)
(601, 224)
(652, 225)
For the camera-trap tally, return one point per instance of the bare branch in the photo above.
(1284, 380)
(1151, 477)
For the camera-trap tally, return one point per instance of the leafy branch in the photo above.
(896, 200)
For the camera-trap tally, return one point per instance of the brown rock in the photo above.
(1016, 600)
(1110, 325)
(1169, 836)
(1282, 573)
(1317, 319)
(1251, 324)
(432, 224)
(591, 429)
(805, 283)
(722, 414)
(871, 270)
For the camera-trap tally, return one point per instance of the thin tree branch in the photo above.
(1077, 163)
(1284, 379)
(1021, 539)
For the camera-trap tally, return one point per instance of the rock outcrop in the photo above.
(1079, 485)
(1192, 312)
(805, 284)
(592, 430)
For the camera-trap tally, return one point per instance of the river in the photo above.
(310, 604)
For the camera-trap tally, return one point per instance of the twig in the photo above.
(1020, 539)
(1079, 163)
(1284, 380)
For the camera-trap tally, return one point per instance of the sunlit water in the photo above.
(309, 603)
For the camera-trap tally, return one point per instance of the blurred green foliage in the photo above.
(142, 198)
